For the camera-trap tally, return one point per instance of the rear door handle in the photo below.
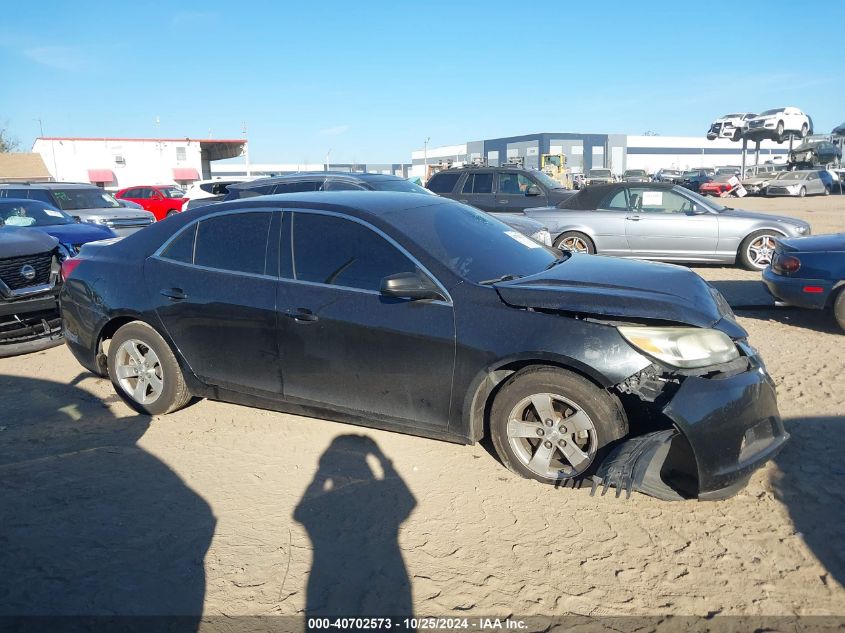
(303, 315)
(635, 218)
(176, 294)
(503, 201)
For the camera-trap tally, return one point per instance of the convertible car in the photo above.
(664, 222)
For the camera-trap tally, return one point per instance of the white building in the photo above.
(115, 163)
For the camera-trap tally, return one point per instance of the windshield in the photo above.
(671, 172)
(32, 213)
(771, 112)
(172, 192)
(792, 175)
(725, 171)
(691, 174)
(547, 180)
(93, 198)
(398, 185)
(600, 173)
(472, 244)
(635, 172)
(710, 203)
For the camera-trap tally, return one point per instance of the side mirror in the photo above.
(77, 218)
(533, 190)
(409, 286)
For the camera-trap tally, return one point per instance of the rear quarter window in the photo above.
(443, 182)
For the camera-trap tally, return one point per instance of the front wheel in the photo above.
(575, 241)
(802, 192)
(145, 372)
(804, 130)
(757, 250)
(550, 425)
(780, 129)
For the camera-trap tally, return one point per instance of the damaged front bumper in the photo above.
(719, 426)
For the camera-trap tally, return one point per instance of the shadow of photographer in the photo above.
(352, 510)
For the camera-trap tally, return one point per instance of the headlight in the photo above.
(542, 236)
(801, 229)
(685, 347)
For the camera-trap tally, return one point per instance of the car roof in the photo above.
(590, 197)
(49, 185)
(484, 168)
(305, 175)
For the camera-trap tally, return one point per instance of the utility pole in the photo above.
(425, 158)
(52, 148)
(329, 153)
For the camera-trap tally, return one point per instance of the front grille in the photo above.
(757, 124)
(777, 190)
(10, 270)
(128, 223)
(28, 327)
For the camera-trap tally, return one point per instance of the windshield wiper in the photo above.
(508, 277)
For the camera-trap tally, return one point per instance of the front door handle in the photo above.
(503, 201)
(176, 294)
(635, 218)
(302, 315)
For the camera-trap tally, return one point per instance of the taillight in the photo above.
(785, 264)
(69, 265)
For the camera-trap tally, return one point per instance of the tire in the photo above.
(827, 190)
(804, 130)
(839, 309)
(802, 192)
(779, 130)
(581, 243)
(737, 135)
(136, 340)
(539, 446)
(171, 212)
(745, 255)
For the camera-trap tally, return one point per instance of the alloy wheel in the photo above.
(552, 436)
(760, 251)
(574, 243)
(139, 371)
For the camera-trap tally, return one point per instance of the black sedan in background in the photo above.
(422, 315)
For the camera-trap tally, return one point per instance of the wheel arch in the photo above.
(111, 326)
(487, 383)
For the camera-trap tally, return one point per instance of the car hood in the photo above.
(77, 233)
(19, 241)
(754, 180)
(520, 223)
(834, 242)
(624, 289)
(751, 215)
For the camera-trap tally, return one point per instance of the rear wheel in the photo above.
(839, 309)
(804, 130)
(780, 130)
(575, 241)
(144, 370)
(550, 425)
(802, 192)
(757, 250)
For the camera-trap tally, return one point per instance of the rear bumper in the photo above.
(731, 426)
(791, 290)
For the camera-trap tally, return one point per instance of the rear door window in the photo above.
(481, 182)
(181, 249)
(235, 242)
(341, 185)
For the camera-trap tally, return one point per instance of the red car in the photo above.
(716, 187)
(161, 200)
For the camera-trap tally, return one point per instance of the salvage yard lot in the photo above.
(99, 498)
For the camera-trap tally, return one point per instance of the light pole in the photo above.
(425, 158)
(329, 153)
(246, 150)
(52, 148)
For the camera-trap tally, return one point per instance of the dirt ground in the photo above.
(223, 509)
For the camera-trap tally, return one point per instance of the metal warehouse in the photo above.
(583, 152)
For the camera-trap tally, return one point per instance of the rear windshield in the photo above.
(792, 175)
(93, 198)
(600, 172)
(635, 172)
(389, 184)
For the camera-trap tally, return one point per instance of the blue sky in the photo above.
(371, 80)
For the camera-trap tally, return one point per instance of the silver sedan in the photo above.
(798, 183)
(664, 222)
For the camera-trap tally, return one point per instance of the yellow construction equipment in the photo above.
(554, 166)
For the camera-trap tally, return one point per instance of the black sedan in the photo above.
(422, 315)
